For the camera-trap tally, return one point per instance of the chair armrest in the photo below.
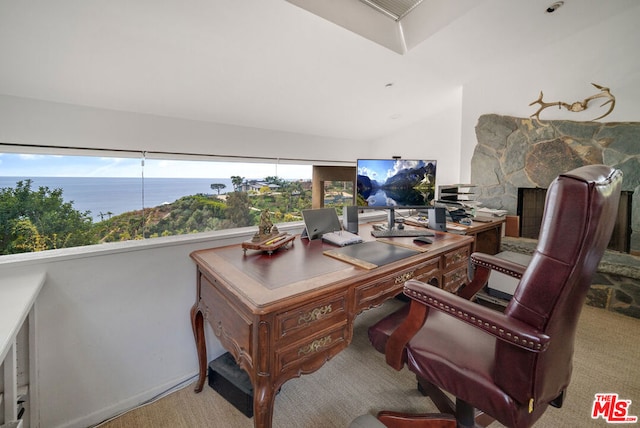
(425, 297)
(484, 264)
(507, 267)
(507, 329)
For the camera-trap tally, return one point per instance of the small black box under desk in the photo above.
(232, 383)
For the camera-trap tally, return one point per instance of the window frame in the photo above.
(321, 170)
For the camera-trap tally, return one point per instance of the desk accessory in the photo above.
(423, 240)
(372, 254)
(270, 244)
(350, 218)
(268, 238)
(400, 233)
(417, 220)
(437, 218)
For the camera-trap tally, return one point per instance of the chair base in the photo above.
(403, 420)
(465, 414)
(460, 415)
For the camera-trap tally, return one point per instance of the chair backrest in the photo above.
(579, 216)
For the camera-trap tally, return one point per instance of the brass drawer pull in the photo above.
(314, 314)
(459, 275)
(315, 346)
(404, 277)
(458, 257)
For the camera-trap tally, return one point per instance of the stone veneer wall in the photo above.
(517, 152)
(514, 152)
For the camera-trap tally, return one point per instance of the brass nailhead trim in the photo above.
(463, 315)
(496, 268)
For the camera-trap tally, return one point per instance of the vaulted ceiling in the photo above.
(272, 64)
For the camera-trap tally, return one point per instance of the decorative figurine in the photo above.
(266, 228)
(268, 238)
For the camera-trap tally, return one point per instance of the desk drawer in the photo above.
(452, 280)
(320, 346)
(225, 318)
(456, 258)
(376, 292)
(311, 317)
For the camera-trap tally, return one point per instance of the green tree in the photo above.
(218, 186)
(28, 239)
(273, 179)
(238, 206)
(34, 220)
(237, 181)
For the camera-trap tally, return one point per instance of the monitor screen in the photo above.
(395, 183)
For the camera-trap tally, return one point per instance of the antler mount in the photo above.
(578, 105)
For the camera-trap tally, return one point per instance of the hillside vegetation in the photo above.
(37, 220)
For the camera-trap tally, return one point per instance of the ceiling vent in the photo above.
(394, 9)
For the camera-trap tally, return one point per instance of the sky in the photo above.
(35, 165)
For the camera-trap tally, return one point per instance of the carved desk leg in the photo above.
(263, 402)
(197, 324)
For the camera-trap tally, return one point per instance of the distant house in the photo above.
(255, 185)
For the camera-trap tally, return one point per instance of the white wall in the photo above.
(604, 54)
(34, 122)
(436, 137)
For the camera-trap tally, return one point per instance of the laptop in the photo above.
(319, 221)
(324, 223)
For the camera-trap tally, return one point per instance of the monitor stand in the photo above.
(391, 219)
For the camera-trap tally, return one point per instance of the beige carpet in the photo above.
(358, 381)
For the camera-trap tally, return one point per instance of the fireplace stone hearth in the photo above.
(515, 152)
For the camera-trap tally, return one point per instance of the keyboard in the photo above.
(400, 233)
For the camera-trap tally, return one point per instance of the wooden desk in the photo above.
(487, 234)
(286, 314)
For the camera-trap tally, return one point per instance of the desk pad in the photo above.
(371, 254)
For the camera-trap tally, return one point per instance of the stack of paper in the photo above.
(492, 212)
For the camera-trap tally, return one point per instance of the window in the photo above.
(333, 186)
(50, 201)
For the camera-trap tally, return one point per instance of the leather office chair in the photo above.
(510, 366)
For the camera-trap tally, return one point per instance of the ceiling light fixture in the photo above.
(555, 6)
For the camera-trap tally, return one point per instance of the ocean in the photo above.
(119, 195)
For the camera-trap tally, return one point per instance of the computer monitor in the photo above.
(395, 183)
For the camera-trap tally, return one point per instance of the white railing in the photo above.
(18, 295)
